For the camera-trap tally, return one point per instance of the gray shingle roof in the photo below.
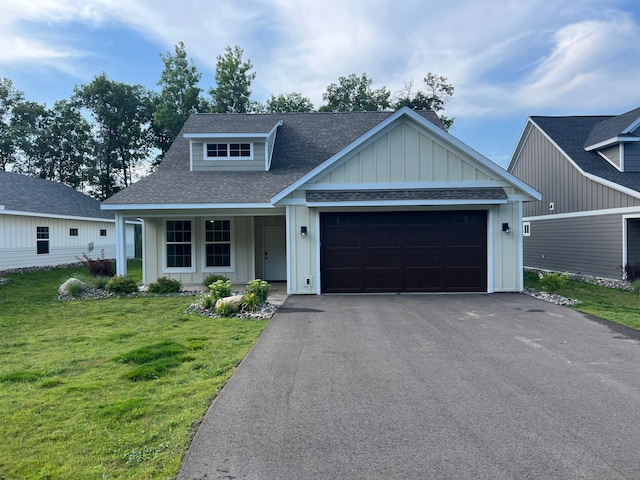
(303, 142)
(35, 195)
(611, 127)
(323, 196)
(571, 133)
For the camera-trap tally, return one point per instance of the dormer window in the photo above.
(226, 151)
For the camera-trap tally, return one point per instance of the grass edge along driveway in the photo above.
(612, 304)
(106, 388)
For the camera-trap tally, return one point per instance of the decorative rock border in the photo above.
(560, 300)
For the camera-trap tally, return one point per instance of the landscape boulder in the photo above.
(69, 287)
(232, 303)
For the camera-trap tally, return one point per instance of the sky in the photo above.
(507, 59)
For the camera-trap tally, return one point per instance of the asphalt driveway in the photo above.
(498, 386)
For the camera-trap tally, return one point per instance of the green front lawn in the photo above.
(612, 304)
(106, 388)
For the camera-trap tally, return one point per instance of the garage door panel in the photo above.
(404, 251)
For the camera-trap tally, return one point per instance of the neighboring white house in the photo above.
(44, 223)
(328, 202)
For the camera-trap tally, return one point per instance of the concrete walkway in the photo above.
(499, 386)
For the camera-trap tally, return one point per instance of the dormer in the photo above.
(232, 150)
(617, 140)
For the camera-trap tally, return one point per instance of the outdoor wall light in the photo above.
(506, 228)
(303, 231)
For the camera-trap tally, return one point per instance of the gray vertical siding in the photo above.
(542, 166)
(632, 157)
(586, 245)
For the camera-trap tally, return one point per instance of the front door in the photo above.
(275, 253)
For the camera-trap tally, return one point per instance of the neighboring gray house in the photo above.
(44, 223)
(328, 202)
(588, 171)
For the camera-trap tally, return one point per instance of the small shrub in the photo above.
(260, 288)
(225, 309)
(553, 281)
(122, 284)
(75, 289)
(635, 287)
(250, 302)
(208, 301)
(101, 281)
(165, 285)
(631, 272)
(99, 267)
(220, 289)
(209, 279)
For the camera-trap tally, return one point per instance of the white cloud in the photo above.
(503, 56)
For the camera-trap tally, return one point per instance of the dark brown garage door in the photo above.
(404, 252)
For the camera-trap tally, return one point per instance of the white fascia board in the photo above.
(225, 135)
(524, 134)
(405, 186)
(433, 129)
(404, 203)
(58, 217)
(619, 168)
(611, 141)
(590, 176)
(186, 206)
(586, 213)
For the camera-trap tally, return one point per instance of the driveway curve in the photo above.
(499, 386)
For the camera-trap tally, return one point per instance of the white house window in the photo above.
(42, 240)
(526, 229)
(179, 243)
(217, 243)
(228, 151)
(73, 232)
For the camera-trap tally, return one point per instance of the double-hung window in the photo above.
(179, 244)
(42, 240)
(217, 243)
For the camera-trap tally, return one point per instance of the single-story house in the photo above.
(44, 223)
(330, 203)
(588, 171)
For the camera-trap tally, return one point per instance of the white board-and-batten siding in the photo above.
(18, 241)
(403, 154)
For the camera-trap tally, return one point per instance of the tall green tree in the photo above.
(67, 135)
(354, 94)
(9, 98)
(288, 102)
(233, 83)
(179, 97)
(29, 123)
(122, 116)
(436, 93)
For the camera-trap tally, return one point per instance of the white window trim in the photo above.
(203, 248)
(165, 268)
(206, 157)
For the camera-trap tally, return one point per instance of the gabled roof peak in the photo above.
(613, 129)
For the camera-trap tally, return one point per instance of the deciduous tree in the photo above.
(354, 94)
(437, 92)
(9, 98)
(179, 97)
(122, 116)
(233, 83)
(288, 102)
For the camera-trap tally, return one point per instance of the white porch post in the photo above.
(121, 245)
